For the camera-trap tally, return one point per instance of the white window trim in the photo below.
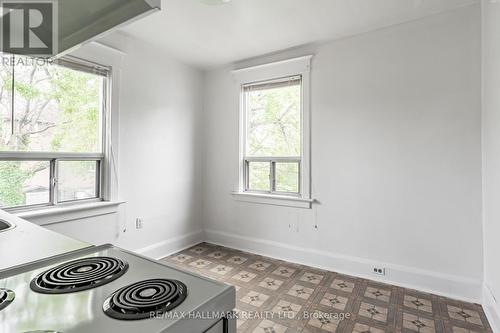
(292, 67)
(103, 54)
(72, 212)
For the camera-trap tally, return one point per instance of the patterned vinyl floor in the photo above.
(274, 296)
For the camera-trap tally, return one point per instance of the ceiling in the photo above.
(211, 35)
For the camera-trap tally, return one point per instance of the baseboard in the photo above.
(456, 287)
(167, 247)
(491, 308)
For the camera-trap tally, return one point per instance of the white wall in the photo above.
(491, 159)
(159, 156)
(396, 158)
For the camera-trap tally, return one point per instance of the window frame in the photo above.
(102, 180)
(272, 174)
(268, 73)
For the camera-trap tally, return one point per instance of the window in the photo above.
(273, 136)
(274, 133)
(52, 131)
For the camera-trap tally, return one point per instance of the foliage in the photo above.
(56, 109)
(287, 179)
(78, 95)
(274, 122)
(274, 130)
(12, 178)
(259, 176)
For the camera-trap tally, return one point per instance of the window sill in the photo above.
(276, 200)
(53, 215)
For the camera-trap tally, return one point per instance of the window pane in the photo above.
(274, 121)
(258, 176)
(56, 109)
(287, 177)
(24, 183)
(77, 180)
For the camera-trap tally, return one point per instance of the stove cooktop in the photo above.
(139, 300)
(6, 297)
(78, 275)
(106, 289)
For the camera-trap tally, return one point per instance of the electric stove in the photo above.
(107, 289)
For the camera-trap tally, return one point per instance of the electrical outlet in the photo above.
(378, 271)
(138, 223)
